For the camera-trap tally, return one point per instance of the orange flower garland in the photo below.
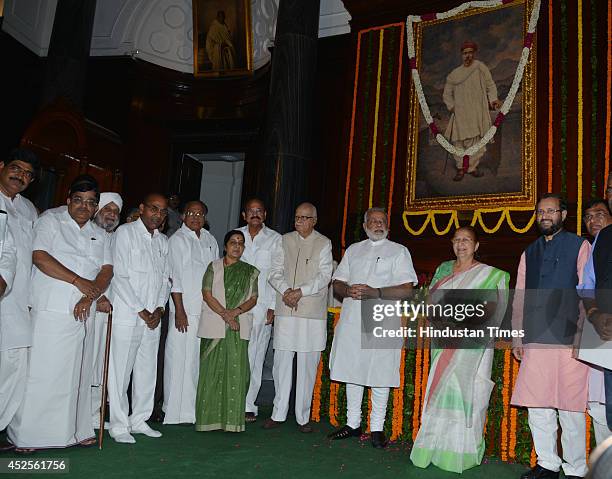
(588, 435)
(398, 402)
(505, 402)
(315, 414)
(369, 409)
(416, 410)
(513, 412)
(425, 374)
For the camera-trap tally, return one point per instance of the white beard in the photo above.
(376, 237)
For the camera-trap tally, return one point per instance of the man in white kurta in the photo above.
(139, 291)
(260, 243)
(301, 271)
(191, 249)
(71, 259)
(16, 174)
(373, 268)
(106, 218)
(219, 45)
(469, 94)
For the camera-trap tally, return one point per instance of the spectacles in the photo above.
(77, 200)
(195, 214)
(549, 212)
(255, 211)
(299, 219)
(462, 240)
(600, 215)
(157, 210)
(29, 174)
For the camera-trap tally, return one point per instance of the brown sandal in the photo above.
(459, 176)
(250, 417)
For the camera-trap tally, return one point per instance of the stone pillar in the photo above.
(288, 132)
(69, 52)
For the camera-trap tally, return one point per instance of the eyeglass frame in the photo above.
(29, 174)
(299, 219)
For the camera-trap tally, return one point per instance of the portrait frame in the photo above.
(238, 20)
(521, 189)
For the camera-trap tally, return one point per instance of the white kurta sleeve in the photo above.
(448, 96)
(343, 271)
(324, 273)
(121, 280)
(275, 246)
(490, 84)
(108, 252)
(164, 292)
(176, 252)
(276, 276)
(45, 230)
(8, 259)
(403, 270)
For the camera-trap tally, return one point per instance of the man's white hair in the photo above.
(309, 205)
(374, 210)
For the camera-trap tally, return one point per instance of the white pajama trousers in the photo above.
(133, 353)
(181, 372)
(282, 371)
(597, 411)
(354, 398)
(56, 406)
(13, 375)
(258, 345)
(543, 425)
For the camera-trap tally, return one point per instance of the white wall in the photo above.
(157, 31)
(221, 191)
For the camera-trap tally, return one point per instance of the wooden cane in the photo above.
(109, 327)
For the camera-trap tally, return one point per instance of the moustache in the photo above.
(13, 178)
(255, 218)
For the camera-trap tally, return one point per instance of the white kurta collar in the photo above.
(140, 225)
(378, 243)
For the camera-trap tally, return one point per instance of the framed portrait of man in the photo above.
(467, 64)
(222, 43)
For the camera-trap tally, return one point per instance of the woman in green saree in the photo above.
(229, 290)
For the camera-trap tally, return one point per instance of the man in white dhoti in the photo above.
(191, 249)
(373, 268)
(16, 174)
(71, 259)
(469, 94)
(300, 274)
(107, 218)
(260, 243)
(139, 291)
(219, 45)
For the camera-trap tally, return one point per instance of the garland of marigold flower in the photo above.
(315, 415)
(588, 435)
(398, 402)
(513, 413)
(369, 409)
(425, 375)
(505, 403)
(533, 460)
(416, 410)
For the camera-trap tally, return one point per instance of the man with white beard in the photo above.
(375, 268)
(191, 249)
(260, 242)
(107, 218)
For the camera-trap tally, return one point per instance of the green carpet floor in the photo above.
(282, 452)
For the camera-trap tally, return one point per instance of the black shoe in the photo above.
(6, 446)
(539, 472)
(345, 432)
(574, 477)
(379, 441)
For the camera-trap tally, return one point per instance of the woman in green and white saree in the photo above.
(229, 290)
(459, 383)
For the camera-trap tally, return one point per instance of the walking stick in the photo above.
(109, 327)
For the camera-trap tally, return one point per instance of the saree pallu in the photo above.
(459, 385)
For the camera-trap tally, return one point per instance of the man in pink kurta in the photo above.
(551, 383)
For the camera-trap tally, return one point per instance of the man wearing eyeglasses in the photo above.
(260, 242)
(72, 267)
(300, 274)
(16, 173)
(192, 248)
(139, 291)
(551, 383)
(597, 218)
